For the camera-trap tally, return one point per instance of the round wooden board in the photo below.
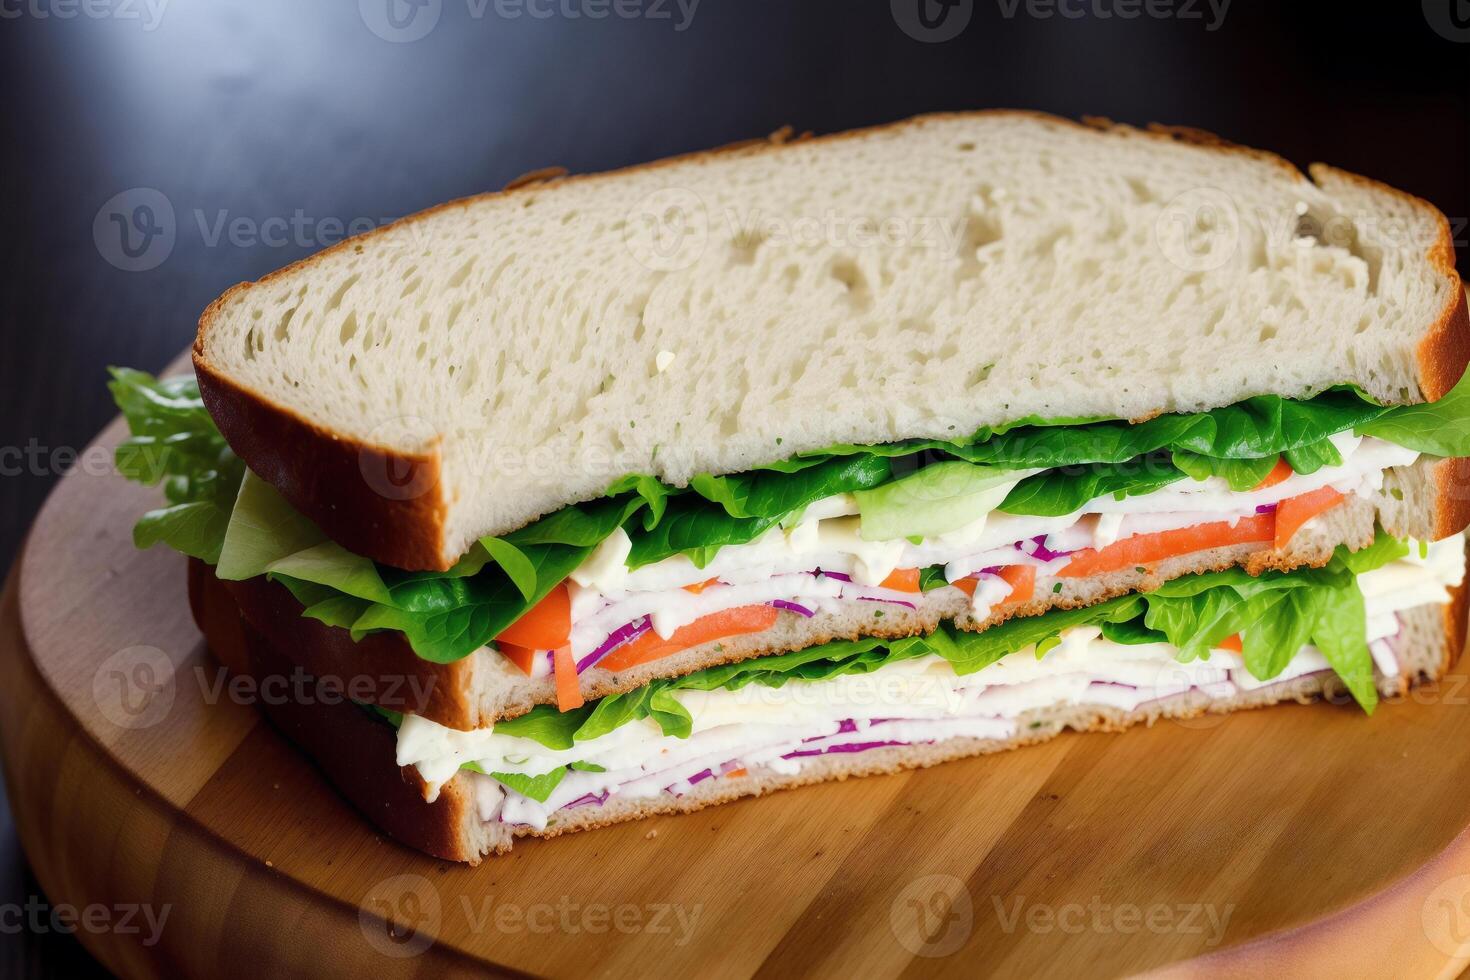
(1308, 839)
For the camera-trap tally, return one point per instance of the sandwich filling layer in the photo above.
(824, 559)
(650, 568)
(792, 708)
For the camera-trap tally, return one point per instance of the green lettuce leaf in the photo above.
(537, 788)
(173, 441)
(1241, 474)
(1284, 627)
(543, 723)
(932, 578)
(934, 500)
(775, 494)
(748, 505)
(245, 528)
(1383, 550)
(1056, 492)
(694, 528)
(1438, 428)
(195, 528)
(975, 651)
(1312, 457)
(1338, 631)
(1276, 613)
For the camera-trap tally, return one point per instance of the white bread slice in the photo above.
(1427, 500)
(356, 752)
(471, 368)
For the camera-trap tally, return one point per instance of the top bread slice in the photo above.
(471, 368)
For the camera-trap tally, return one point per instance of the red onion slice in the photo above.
(620, 636)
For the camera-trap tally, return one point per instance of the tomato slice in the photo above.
(568, 685)
(1021, 578)
(1144, 549)
(1279, 472)
(716, 626)
(546, 625)
(522, 657)
(1293, 512)
(902, 580)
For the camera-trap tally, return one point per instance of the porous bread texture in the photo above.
(1429, 640)
(720, 311)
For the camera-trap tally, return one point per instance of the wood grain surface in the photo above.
(1309, 839)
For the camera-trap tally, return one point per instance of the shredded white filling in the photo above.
(909, 701)
(606, 594)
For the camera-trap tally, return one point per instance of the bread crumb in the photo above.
(650, 835)
(268, 864)
(663, 360)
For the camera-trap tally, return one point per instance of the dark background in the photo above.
(295, 110)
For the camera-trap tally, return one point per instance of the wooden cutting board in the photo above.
(1308, 839)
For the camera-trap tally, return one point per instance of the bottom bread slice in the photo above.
(357, 750)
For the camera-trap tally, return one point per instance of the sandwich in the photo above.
(616, 495)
